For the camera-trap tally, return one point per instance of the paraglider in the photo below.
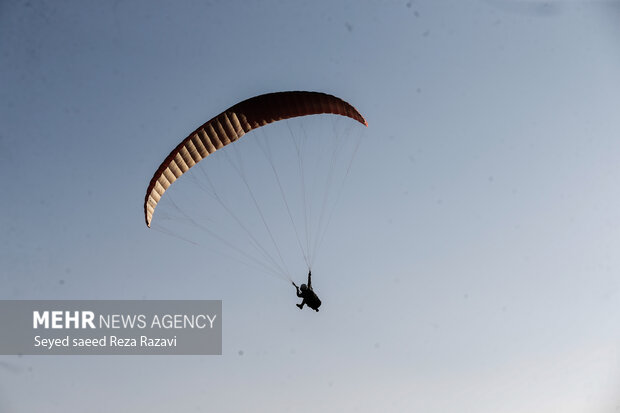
(225, 129)
(309, 296)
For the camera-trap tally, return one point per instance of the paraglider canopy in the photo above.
(232, 124)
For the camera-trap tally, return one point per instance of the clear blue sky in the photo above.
(473, 260)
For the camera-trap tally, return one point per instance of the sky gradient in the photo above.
(472, 264)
